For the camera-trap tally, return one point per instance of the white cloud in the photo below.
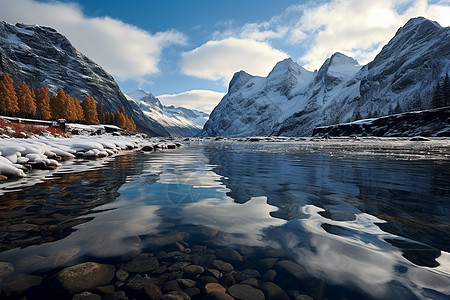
(203, 100)
(359, 28)
(219, 60)
(124, 50)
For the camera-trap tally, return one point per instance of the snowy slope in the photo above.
(178, 121)
(40, 56)
(292, 101)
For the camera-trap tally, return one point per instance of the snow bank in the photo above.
(18, 156)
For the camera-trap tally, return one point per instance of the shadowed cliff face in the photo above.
(40, 56)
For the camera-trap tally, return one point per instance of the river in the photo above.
(365, 218)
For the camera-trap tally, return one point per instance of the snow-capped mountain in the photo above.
(41, 56)
(293, 101)
(178, 121)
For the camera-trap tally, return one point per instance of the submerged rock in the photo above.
(245, 292)
(83, 277)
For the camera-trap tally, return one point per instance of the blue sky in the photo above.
(185, 52)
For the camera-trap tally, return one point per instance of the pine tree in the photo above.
(397, 109)
(446, 90)
(8, 98)
(43, 104)
(25, 101)
(89, 110)
(120, 120)
(100, 113)
(78, 110)
(70, 111)
(57, 104)
(438, 97)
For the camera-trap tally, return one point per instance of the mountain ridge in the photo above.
(178, 121)
(404, 73)
(41, 56)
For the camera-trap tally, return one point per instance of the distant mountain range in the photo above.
(178, 121)
(41, 56)
(292, 101)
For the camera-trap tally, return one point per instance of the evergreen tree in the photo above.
(70, 111)
(57, 104)
(8, 98)
(397, 109)
(446, 90)
(43, 104)
(120, 120)
(100, 113)
(438, 97)
(78, 110)
(89, 110)
(25, 101)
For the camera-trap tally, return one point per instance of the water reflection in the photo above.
(354, 220)
(372, 224)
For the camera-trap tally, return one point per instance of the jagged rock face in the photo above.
(292, 101)
(433, 122)
(178, 121)
(41, 56)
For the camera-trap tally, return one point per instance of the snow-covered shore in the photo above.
(19, 156)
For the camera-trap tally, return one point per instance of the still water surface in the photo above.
(370, 221)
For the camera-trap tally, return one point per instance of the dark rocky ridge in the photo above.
(434, 122)
(41, 56)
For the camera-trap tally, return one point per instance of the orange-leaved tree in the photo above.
(8, 98)
(100, 113)
(43, 104)
(25, 100)
(89, 110)
(58, 104)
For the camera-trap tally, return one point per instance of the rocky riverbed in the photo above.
(178, 270)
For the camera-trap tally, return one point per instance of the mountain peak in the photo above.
(239, 79)
(413, 22)
(341, 59)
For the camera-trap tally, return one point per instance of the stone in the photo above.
(6, 269)
(18, 284)
(138, 282)
(229, 254)
(213, 287)
(206, 260)
(227, 280)
(304, 297)
(86, 296)
(208, 231)
(84, 277)
(193, 271)
(246, 274)
(269, 275)
(101, 290)
(222, 266)
(159, 270)
(151, 292)
(170, 286)
(178, 266)
(266, 264)
(115, 296)
(251, 281)
(290, 268)
(186, 283)
(193, 291)
(273, 292)
(141, 264)
(202, 281)
(212, 272)
(218, 296)
(176, 295)
(122, 275)
(245, 292)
